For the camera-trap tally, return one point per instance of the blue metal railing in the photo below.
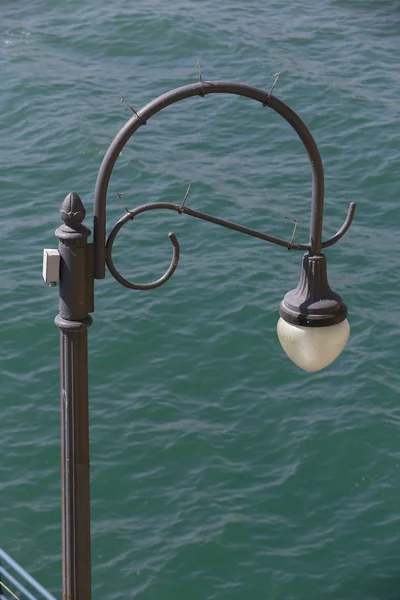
(17, 584)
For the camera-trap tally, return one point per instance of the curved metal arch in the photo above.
(204, 88)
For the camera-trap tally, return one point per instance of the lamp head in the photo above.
(313, 328)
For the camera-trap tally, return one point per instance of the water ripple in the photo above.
(219, 471)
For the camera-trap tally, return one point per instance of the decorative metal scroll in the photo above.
(130, 215)
(103, 251)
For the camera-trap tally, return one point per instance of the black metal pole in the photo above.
(76, 301)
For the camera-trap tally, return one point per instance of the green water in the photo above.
(219, 469)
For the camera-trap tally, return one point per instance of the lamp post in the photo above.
(312, 328)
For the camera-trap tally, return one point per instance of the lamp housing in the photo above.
(312, 303)
(313, 328)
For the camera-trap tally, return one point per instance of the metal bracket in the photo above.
(90, 276)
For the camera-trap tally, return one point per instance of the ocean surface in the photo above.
(220, 471)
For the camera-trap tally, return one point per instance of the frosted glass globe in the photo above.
(313, 348)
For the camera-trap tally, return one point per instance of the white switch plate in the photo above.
(51, 265)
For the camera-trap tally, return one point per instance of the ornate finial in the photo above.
(72, 210)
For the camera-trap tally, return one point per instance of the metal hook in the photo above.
(291, 243)
(185, 198)
(200, 79)
(130, 284)
(120, 194)
(133, 110)
(340, 233)
(277, 75)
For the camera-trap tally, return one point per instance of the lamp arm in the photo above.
(130, 215)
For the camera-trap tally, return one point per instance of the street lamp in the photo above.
(312, 328)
